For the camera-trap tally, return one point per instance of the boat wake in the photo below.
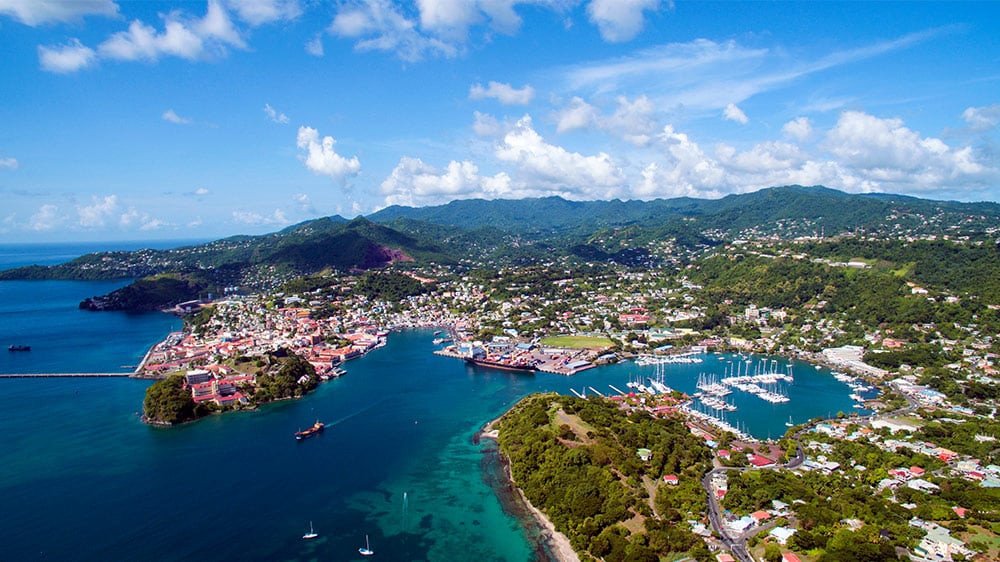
(339, 421)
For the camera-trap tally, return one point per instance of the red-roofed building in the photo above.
(724, 454)
(917, 471)
(760, 516)
(789, 557)
(724, 557)
(633, 319)
(671, 479)
(960, 511)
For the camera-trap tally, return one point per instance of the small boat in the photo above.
(19, 348)
(311, 534)
(789, 422)
(316, 428)
(366, 550)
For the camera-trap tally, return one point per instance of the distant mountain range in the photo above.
(816, 206)
(515, 231)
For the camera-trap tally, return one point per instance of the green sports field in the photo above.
(577, 342)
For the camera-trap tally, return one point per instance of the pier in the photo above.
(61, 375)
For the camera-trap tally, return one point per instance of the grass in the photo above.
(577, 342)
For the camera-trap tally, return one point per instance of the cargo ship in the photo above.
(502, 364)
(316, 428)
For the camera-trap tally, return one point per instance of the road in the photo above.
(738, 545)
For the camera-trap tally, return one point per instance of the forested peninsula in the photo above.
(597, 473)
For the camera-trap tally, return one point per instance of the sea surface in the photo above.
(81, 478)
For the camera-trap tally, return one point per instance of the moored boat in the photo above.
(19, 348)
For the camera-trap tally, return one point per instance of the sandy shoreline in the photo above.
(558, 544)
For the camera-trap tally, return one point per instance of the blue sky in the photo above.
(146, 120)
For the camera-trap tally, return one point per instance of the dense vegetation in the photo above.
(388, 286)
(577, 461)
(152, 293)
(167, 401)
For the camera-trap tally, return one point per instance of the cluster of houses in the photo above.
(246, 327)
(217, 384)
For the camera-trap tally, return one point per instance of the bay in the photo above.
(81, 478)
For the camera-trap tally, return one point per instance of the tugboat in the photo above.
(316, 428)
(19, 348)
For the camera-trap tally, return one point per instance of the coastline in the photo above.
(556, 544)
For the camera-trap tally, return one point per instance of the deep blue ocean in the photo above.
(81, 478)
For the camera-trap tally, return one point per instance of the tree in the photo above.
(772, 552)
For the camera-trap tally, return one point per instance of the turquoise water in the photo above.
(81, 478)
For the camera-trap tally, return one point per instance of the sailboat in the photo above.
(366, 550)
(311, 534)
(789, 422)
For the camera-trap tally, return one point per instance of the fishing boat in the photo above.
(19, 348)
(316, 428)
(366, 550)
(311, 534)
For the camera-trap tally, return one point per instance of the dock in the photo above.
(60, 375)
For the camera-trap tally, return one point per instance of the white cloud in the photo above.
(633, 121)
(704, 75)
(252, 218)
(552, 166)
(66, 58)
(274, 116)
(305, 204)
(94, 215)
(171, 116)
(321, 158)
(259, 12)
(899, 159)
(982, 119)
(183, 37)
(8, 163)
(414, 183)
(799, 129)
(733, 113)
(47, 218)
(315, 46)
(201, 192)
(861, 153)
(619, 20)
(450, 18)
(35, 12)
(153, 224)
(485, 125)
(132, 218)
(386, 29)
(217, 25)
(691, 170)
(577, 115)
(503, 93)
